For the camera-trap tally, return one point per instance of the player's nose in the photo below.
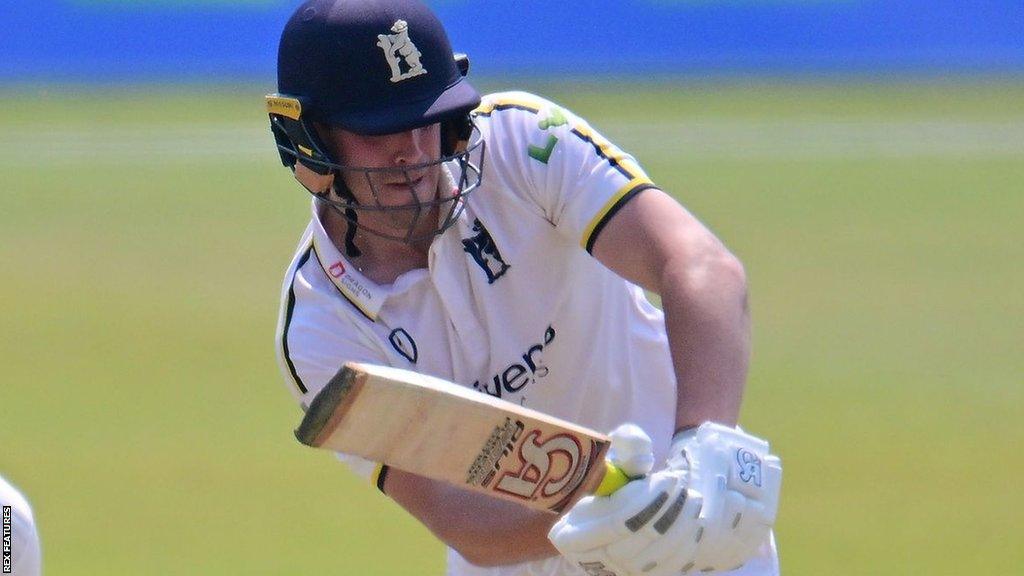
(409, 147)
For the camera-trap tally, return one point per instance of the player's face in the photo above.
(403, 174)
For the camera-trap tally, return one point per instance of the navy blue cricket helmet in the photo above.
(371, 67)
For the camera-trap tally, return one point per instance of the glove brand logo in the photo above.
(485, 253)
(404, 344)
(398, 50)
(750, 467)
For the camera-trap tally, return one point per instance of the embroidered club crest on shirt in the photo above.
(485, 253)
(401, 53)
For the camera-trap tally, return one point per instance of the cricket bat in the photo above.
(440, 430)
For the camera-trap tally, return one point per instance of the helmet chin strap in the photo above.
(320, 185)
(351, 216)
(351, 250)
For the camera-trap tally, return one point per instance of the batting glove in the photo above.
(646, 528)
(739, 480)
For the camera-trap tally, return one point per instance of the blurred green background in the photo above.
(144, 232)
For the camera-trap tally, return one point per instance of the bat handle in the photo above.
(614, 478)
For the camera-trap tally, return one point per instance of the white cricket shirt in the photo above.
(511, 303)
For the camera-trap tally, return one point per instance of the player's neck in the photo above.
(381, 260)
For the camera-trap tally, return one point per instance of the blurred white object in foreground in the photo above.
(24, 543)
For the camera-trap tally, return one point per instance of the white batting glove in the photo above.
(646, 528)
(740, 480)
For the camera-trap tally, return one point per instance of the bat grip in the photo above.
(614, 478)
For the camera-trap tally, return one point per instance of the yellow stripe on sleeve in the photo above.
(610, 151)
(608, 206)
(491, 103)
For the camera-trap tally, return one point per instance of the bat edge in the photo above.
(329, 406)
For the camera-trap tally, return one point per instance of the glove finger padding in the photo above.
(651, 526)
(671, 539)
(597, 521)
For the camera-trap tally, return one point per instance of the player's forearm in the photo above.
(708, 323)
(656, 243)
(484, 530)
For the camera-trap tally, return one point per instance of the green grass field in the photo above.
(144, 232)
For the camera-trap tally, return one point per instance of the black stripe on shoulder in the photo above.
(382, 477)
(614, 163)
(614, 210)
(288, 322)
(500, 107)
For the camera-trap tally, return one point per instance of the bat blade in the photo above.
(444, 431)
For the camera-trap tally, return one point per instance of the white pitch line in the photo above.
(821, 139)
(696, 139)
(176, 143)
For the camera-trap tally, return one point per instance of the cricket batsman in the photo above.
(502, 243)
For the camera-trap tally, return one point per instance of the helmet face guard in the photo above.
(460, 166)
(448, 203)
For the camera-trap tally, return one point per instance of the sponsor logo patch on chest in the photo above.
(524, 370)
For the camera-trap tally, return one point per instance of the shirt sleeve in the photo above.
(555, 160)
(313, 344)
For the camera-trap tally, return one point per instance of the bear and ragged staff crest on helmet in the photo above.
(398, 47)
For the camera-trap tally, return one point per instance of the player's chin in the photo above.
(413, 218)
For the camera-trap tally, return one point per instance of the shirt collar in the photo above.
(362, 292)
